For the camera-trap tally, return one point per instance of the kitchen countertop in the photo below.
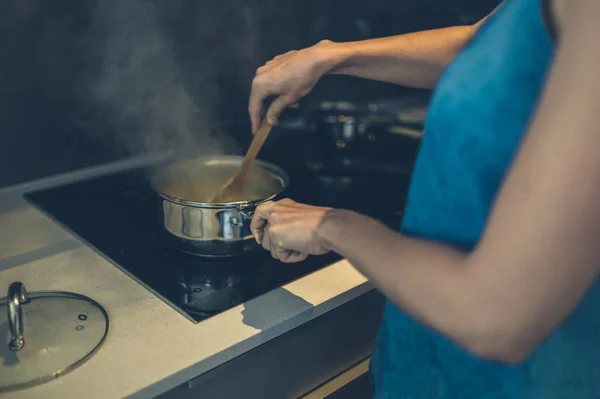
(150, 348)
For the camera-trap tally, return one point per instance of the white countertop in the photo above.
(150, 347)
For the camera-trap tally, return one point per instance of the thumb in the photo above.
(261, 215)
(277, 107)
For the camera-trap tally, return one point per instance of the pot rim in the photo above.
(217, 205)
(268, 166)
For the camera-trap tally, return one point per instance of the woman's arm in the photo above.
(414, 59)
(539, 253)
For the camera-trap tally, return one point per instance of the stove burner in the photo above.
(207, 286)
(208, 294)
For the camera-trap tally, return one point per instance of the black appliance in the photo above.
(116, 215)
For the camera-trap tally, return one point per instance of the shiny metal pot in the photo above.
(211, 229)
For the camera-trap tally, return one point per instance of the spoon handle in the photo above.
(236, 182)
(257, 142)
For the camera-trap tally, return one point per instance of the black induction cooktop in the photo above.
(117, 216)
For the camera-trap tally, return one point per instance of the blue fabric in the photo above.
(478, 115)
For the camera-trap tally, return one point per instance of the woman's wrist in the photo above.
(332, 223)
(331, 56)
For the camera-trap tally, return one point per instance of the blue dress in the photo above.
(477, 117)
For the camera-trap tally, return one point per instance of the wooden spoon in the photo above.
(233, 187)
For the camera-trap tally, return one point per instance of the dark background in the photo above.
(84, 81)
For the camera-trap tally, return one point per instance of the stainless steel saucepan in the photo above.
(195, 225)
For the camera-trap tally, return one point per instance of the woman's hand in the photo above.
(289, 77)
(289, 229)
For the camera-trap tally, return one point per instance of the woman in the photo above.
(492, 282)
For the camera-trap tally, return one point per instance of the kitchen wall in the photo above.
(86, 81)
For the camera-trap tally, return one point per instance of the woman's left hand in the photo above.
(289, 229)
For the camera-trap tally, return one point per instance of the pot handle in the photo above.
(239, 216)
(247, 215)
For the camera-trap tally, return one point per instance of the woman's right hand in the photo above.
(289, 77)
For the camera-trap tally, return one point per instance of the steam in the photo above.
(156, 70)
(141, 88)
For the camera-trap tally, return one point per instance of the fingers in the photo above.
(261, 215)
(266, 240)
(269, 215)
(293, 257)
(286, 201)
(255, 104)
(270, 64)
(263, 212)
(259, 93)
(274, 212)
(277, 107)
(264, 227)
(268, 82)
(279, 252)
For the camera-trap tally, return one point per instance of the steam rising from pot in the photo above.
(146, 102)
(156, 71)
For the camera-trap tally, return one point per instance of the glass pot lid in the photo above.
(46, 334)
